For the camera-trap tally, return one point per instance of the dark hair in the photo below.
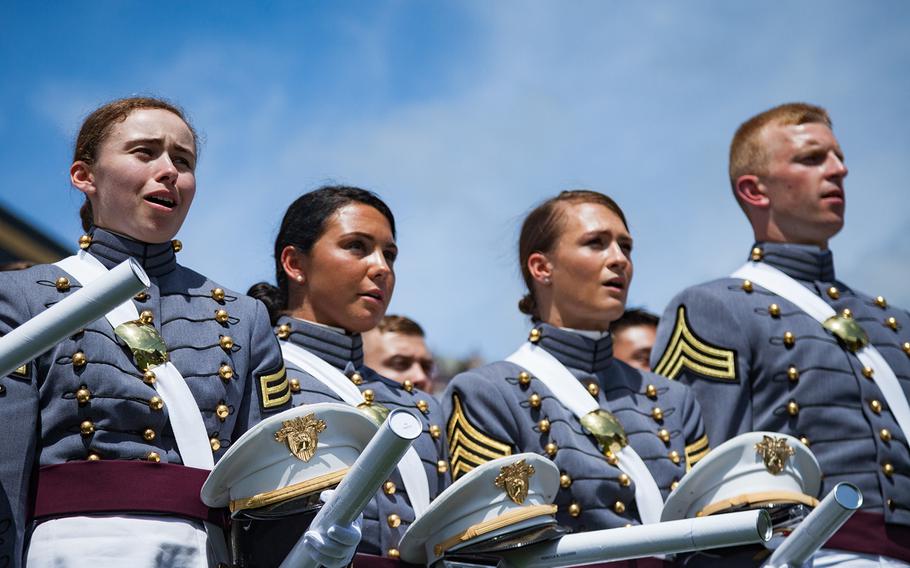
(543, 226)
(97, 126)
(304, 222)
(633, 318)
(400, 324)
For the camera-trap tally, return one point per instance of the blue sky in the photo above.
(463, 116)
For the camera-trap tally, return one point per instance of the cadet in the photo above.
(621, 437)
(334, 262)
(782, 345)
(105, 450)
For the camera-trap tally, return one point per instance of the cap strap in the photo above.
(506, 519)
(759, 499)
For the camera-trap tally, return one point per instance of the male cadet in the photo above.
(633, 338)
(782, 345)
(397, 349)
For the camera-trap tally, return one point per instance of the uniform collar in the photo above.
(802, 262)
(112, 249)
(332, 345)
(574, 349)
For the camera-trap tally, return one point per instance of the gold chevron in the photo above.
(468, 446)
(687, 350)
(696, 451)
(275, 389)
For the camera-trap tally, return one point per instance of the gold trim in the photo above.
(468, 446)
(287, 493)
(269, 389)
(696, 451)
(685, 349)
(757, 500)
(496, 523)
(21, 371)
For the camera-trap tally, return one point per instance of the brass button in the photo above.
(442, 466)
(664, 435)
(79, 359)
(774, 310)
(93, 457)
(423, 406)
(155, 403)
(747, 286)
(176, 245)
(87, 428)
(833, 293)
(141, 297)
(674, 457)
(534, 335)
(551, 449)
(83, 395)
(393, 553)
(892, 323)
(146, 317)
(389, 488)
(283, 331)
(792, 408)
(534, 400)
(226, 372)
(611, 458)
(888, 469)
(408, 385)
(891, 504)
(847, 313)
(435, 431)
(625, 480)
(674, 485)
(868, 372)
(757, 254)
(62, 284)
(85, 241)
(294, 384)
(619, 507)
(804, 440)
(369, 396)
(881, 302)
(222, 411)
(876, 406)
(651, 392)
(221, 316)
(148, 377)
(885, 435)
(565, 481)
(789, 339)
(153, 457)
(793, 374)
(218, 294)
(524, 378)
(593, 389)
(215, 443)
(544, 425)
(906, 348)
(226, 342)
(574, 509)
(148, 435)
(357, 378)
(657, 414)
(394, 521)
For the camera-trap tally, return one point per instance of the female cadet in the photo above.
(334, 264)
(104, 448)
(621, 437)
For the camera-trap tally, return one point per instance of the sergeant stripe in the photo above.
(275, 389)
(686, 350)
(696, 451)
(468, 446)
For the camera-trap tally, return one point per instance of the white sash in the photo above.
(568, 390)
(779, 283)
(185, 417)
(410, 467)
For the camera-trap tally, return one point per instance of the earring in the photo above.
(299, 278)
(546, 280)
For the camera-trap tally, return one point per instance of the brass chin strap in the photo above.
(290, 492)
(757, 500)
(506, 519)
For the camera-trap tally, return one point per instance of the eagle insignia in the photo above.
(514, 479)
(301, 435)
(775, 453)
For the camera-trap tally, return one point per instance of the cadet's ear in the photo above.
(540, 267)
(292, 262)
(82, 178)
(750, 191)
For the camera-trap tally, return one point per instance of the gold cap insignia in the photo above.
(774, 452)
(514, 479)
(606, 429)
(147, 345)
(302, 435)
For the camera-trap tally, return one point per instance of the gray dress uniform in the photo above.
(85, 399)
(758, 362)
(389, 514)
(500, 409)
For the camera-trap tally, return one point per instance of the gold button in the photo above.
(176, 245)
(79, 359)
(435, 431)
(357, 378)
(892, 323)
(442, 466)
(657, 414)
(524, 378)
(215, 443)
(155, 403)
(226, 342)
(87, 428)
(394, 521)
(885, 435)
(283, 332)
(534, 335)
(544, 425)
(408, 385)
(804, 440)
(295, 385)
(221, 316)
(847, 313)
(369, 396)
(792, 408)
(890, 503)
(146, 317)
(611, 458)
(868, 372)
(393, 553)
(619, 507)
(93, 457)
(876, 406)
(534, 400)
(888, 469)
(389, 488)
(222, 411)
(674, 457)
(153, 457)
(774, 310)
(565, 481)
(85, 241)
(593, 389)
(226, 372)
(881, 302)
(833, 293)
(574, 509)
(651, 391)
(551, 449)
(789, 339)
(83, 395)
(757, 254)
(141, 297)
(148, 435)
(674, 485)
(423, 406)
(625, 480)
(148, 377)
(218, 294)
(793, 374)
(906, 348)
(62, 284)
(664, 435)
(747, 286)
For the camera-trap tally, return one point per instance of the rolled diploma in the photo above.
(71, 314)
(640, 541)
(818, 526)
(363, 480)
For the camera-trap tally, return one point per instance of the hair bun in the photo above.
(269, 295)
(527, 305)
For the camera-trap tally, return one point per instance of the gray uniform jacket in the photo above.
(86, 400)
(390, 513)
(758, 362)
(498, 410)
